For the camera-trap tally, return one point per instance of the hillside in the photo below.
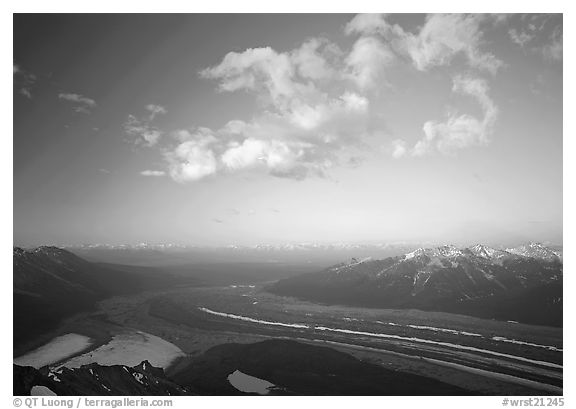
(525, 285)
(50, 283)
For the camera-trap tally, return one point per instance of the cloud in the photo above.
(372, 23)
(217, 220)
(302, 130)
(24, 80)
(520, 37)
(155, 110)
(256, 69)
(315, 105)
(437, 42)
(367, 61)
(141, 129)
(460, 131)
(399, 148)
(540, 34)
(154, 173)
(299, 142)
(78, 99)
(316, 59)
(191, 161)
(553, 50)
(82, 104)
(280, 158)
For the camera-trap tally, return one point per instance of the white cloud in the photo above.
(257, 69)
(142, 132)
(280, 158)
(247, 154)
(543, 32)
(305, 140)
(460, 131)
(191, 161)
(82, 104)
(366, 24)
(314, 102)
(399, 148)
(367, 61)
(520, 37)
(553, 50)
(24, 80)
(315, 59)
(437, 42)
(77, 98)
(303, 130)
(156, 173)
(457, 132)
(141, 129)
(155, 110)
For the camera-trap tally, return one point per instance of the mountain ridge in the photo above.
(51, 283)
(444, 278)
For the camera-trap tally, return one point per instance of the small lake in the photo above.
(249, 384)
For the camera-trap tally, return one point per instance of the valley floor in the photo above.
(483, 356)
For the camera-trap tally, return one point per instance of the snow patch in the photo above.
(138, 377)
(130, 349)
(248, 319)
(514, 341)
(56, 350)
(40, 390)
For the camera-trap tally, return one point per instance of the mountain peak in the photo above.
(481, 250)
(447, 251)
(535, 250)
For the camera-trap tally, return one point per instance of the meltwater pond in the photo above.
(249, 384)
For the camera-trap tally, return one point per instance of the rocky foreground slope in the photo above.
(288, 367)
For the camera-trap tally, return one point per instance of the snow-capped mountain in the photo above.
(441, 278)
(164, 254)
(536, 250)
(490, 253)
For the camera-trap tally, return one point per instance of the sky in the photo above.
(245, 129)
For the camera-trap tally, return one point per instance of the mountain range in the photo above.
(174, 254)
(521, 284)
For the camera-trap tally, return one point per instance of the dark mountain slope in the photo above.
(50, 283)
(478, 281)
